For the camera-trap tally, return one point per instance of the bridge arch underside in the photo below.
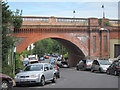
(75, 54)
(76, 49)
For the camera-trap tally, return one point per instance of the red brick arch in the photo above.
(34, 38)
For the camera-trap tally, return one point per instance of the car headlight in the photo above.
(17, 76)
(34, 76)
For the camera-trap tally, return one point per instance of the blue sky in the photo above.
(65, 9)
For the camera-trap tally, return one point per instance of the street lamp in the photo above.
(103, 11)
(73, 13)
(104, 29)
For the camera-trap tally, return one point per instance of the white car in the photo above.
(37, 73)
(100, 65)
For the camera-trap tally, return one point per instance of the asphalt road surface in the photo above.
(71, 78)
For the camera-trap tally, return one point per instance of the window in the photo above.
(50, 66)
(94, 44)
(46, 67)
(105, 43)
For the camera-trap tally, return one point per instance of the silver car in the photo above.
(37, 73)
(100, 65)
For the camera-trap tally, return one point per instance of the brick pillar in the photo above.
(52, 19)
(93, 22)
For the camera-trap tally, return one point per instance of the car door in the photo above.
(111, 68)
(93, 65)
(50, 71)
(46, 72)
(97, 66)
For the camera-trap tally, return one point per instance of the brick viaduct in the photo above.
(78, 35)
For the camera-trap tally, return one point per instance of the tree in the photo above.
(9, 19)
(39, 49)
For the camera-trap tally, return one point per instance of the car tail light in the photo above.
(57, 67)
(86, 65)
(118, 67)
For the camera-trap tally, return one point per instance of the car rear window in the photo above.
(118, 64)
(89, 60)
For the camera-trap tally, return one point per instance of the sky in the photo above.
(83, 9)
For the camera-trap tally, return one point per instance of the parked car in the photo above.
(53, 55)
(52, 60)
(84, 65)
(6, 83)
(100, 65)
(64, 64)
(25, 62)
(36, 74)
(46, 57)
(111, 60)
(58, 62)
(57, 70)
(114, 68)
(33, 61)
(42, 58)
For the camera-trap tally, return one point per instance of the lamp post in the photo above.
(104, 29)
(73, 13)
(103, 11)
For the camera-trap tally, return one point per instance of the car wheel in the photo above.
(54, 79)
(77, 68)
(4, 85)
(58, 76)
(42, 81)
(115, 73)
(108, 72)
(83, 68)
(100, 70)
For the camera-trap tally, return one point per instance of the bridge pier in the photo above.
(74, 59)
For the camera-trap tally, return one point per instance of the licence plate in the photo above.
(90, 65)
(23, 80)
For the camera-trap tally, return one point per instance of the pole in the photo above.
(108, 42)
(103, 11)
(62, 51)
(73, 13)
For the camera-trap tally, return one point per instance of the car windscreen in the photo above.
(34, 68)
(103, 62)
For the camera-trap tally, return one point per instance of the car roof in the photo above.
(38, 63)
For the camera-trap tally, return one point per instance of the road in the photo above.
(71, 78)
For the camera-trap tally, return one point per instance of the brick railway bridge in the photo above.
(82, 37)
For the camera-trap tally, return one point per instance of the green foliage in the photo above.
(39, 49)
(100, 22)
(66, 55)
(8, 19)
(17, 20)
(7, 69)
(48, 46)
(107, 23)
(25, 53)
(18, 61)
